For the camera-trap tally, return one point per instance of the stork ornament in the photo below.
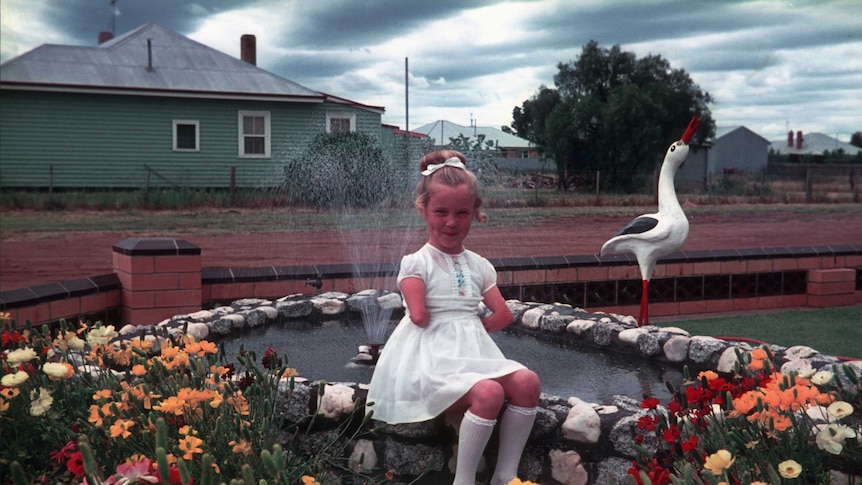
(652, 236)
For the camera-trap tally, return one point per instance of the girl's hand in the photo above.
(420, 318)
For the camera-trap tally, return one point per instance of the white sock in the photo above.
(515, 427)
(473, 435)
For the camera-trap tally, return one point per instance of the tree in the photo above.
(856, 139)
(614, 113)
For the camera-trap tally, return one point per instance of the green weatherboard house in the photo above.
(154, 108)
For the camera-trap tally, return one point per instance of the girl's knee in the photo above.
(486, 399)
(525, 388)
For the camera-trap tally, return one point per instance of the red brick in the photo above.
(138, 299)
(785, 264)
(153, 281)
(150, 316)
(177, 264)
(163, 299)
(114, 298)
(272, 289)
(528, 277)
(692, 307)
(835, 288)
(706, 267)
(765, 302)
(68, 307)
(853, 260)
(794, 301)
(231, 291)
(504, 278)
(596, 273)
(809, 263)
(826, 301)
(733, 267)
(36, 314)
(190, 281)
(626, 272)
(206, 292)
(562, 275)
(676, 269)
(831, 275)
(96, 302)
(137, 264)
(758, 266)
(663, 309)
(719, 306)
(743, 304)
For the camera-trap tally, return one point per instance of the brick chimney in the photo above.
(799, 140)
(248, 49)
(104, 37)
(790, 139)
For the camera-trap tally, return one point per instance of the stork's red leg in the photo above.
(643, 316)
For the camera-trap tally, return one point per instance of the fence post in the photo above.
(808, 185)
(50, 179)
(232, 185)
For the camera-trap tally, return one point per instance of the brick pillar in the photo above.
(831, 287)
(160, 278)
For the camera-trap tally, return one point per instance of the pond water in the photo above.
(324, 351)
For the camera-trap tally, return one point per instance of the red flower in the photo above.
(270, 359)
(647, 422)
(650, 403)
(11, 337)
(64, 453)
(639, 438)
(671, 435)
(675, 407)
(75, 464)
(690, 444)
(175, 476)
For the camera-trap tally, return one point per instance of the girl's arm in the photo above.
(501, 316)
(413, 291)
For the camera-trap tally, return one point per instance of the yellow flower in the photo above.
(719, 461)
(41, 401)
(19, 356)
(840, 409)
(58, 370)
(189, 446)
(789, 469)
(101, 335)
(14, 380)
(121, 428)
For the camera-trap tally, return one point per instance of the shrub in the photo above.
(342, 170)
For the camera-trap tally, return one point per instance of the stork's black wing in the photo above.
(638, 226)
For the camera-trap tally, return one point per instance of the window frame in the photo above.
(241, 135)
(197, 125)
(340, 115)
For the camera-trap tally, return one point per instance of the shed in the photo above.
(155, 107)
(733, 149)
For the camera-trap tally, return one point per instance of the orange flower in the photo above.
(139, 370)
(758, 354)
(189, 446)
(121, 428)
(99, 413)
(102, 394)
(171, 405)
(708, 375)
(242, 447)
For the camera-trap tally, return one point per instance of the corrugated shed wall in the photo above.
(108, 141)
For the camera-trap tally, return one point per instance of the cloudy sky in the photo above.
(772, 66)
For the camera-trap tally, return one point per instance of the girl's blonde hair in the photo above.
(447, 175)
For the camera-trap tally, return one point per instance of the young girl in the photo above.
(440, 357)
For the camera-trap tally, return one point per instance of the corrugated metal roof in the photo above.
(814, 144)
(721, 131)
(443, 130)
(172, 62)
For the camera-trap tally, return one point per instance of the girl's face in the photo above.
(448, 216)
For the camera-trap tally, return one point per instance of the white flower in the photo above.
(840, 409)
(56, 370)
(821, 378)
(19, 356)
(101, 335)
(75, 343)
(14, 380)
(831, 438)
(41, 401)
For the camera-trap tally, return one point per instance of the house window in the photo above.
(186, 136)
(254, 134)
(340, 122)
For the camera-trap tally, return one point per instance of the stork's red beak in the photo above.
(692, 128)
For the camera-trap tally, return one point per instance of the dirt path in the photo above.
(80, 254)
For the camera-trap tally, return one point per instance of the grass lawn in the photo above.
(831, 331)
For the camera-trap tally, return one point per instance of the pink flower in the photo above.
(128, 473)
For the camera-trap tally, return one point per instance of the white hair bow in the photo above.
(452, 162)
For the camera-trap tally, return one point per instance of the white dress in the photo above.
(423, 371)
